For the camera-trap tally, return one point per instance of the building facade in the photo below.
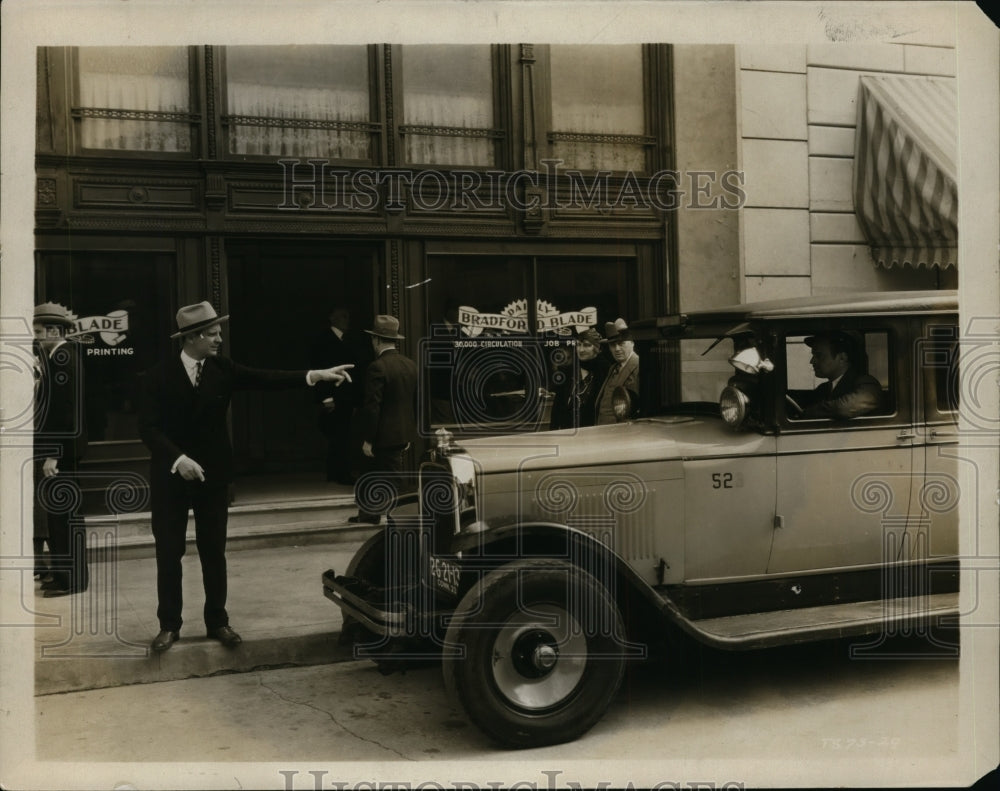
(520, 190)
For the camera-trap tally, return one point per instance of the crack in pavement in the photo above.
(333, 719)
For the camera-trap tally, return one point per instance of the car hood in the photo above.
(647, 440)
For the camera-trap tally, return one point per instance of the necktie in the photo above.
(197, 373)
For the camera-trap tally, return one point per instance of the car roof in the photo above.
(827, 306)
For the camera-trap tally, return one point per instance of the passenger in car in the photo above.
(849, 391)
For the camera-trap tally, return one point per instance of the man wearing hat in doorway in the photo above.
(849, 391)
(183, 406)
(388, 413)
(624, 373)
(60, 442)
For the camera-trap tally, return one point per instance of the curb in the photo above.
(193, 656)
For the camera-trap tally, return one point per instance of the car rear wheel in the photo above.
(534, 653)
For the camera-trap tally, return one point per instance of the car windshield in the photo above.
(693, 371)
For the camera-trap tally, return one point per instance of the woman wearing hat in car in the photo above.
(623, 377)
(575, 394)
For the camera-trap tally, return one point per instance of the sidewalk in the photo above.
(101, 638)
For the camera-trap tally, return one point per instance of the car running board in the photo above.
(781, 627)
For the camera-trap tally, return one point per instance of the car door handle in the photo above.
(906, 434)
(945, 435)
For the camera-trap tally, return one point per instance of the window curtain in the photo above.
(451, 88)
(305, 110)
(466, 112)
(286, 101)
(905, 186)
(120, 80)
(598, 90)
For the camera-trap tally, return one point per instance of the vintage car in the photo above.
(535, 565)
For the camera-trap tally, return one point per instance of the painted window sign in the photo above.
(111, 330)
(514, 319)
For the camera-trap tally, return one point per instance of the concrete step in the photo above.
(251, 526)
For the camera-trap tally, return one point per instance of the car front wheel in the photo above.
(534, 653)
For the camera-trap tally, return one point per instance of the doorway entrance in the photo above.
(280, 296)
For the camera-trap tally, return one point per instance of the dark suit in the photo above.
(388, 417)
(61, 433)
(327, 351)
(574, 400)
(624, 375)
(176, 419)
(856, 394)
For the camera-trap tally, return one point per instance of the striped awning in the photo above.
(905, 174)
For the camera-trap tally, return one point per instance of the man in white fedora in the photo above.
(388, 416)
(183, 406)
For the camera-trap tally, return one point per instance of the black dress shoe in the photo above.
(364, 520)
(51, 593)
(164, 640)
(226, 636)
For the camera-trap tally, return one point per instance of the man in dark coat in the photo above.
(338, 346)
(623, 376)
(184, 402)
(387, 416)
(849, 391)
(60, 442)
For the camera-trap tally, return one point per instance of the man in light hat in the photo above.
(849, 392)
(624, 373)
(184, 403)
(60, 442)
(387, 416)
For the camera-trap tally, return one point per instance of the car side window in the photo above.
(940, 356)
(820, 389)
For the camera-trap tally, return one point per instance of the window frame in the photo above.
(899, 409)
(194, 118)
(374, 126)
(500, 132)
(657, 69)
(929, 406)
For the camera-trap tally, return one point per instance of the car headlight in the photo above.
(733, 405)
(464, 471)
(621, 404)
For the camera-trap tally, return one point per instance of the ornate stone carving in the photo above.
(215, 271)
(390, 138)
(394, 276)
(45, 192)
(210, 100)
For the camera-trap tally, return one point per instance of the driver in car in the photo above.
(849, 392)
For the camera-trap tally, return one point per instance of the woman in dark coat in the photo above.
(575, 394)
